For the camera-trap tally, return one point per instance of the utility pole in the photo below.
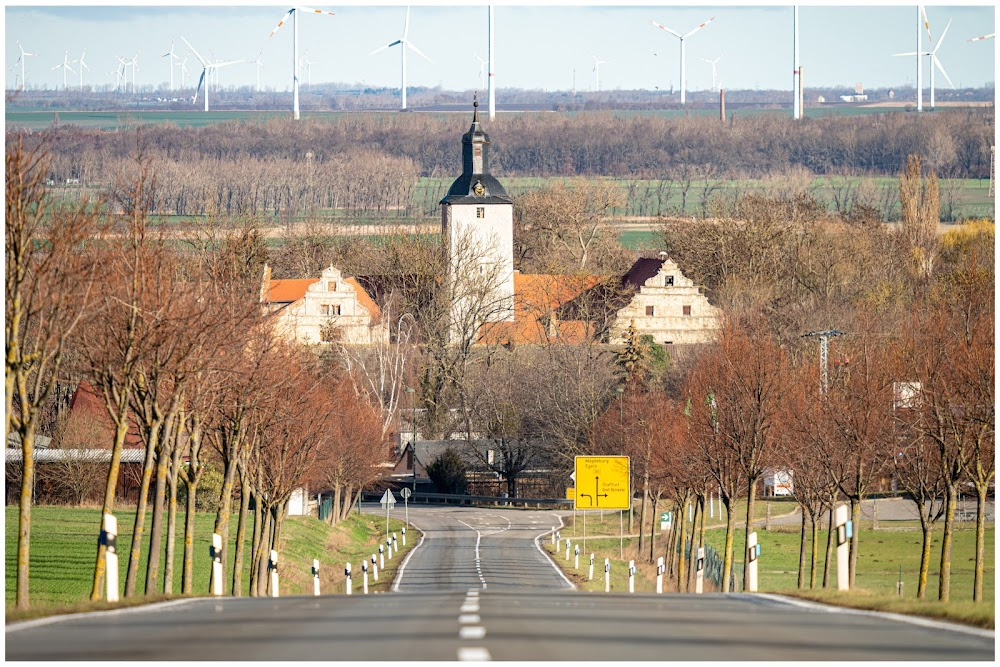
(993, 155)
(824, 339)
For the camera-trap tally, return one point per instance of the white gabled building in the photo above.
(317, 310)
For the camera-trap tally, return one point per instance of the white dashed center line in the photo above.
(473, 654)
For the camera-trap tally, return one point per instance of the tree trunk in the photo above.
(264, 555)
(241, 531)
(335, 511)
(925, 551)
(829, 548)
(977, 583)
(727, 557)
(258, 519)
(24, 517)
(168, 565)
(97, 584)
(856, 520)
(652, 528)
(348, 501)
(682, 579)
(156, 526)
(140, 517)
(814, 522)
(222, 516)
(944, 584)
(642, 510)
(801, 583)
(187, 575)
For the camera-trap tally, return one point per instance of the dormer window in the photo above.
(331, 286)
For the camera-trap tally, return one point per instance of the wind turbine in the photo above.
(82, 65)
(122, 71)
(65, 65)
(294, 13)
(308, 63)
(258, 63)
(170, 54)
(403, 43)
(713, 63)
(934, 62)
(597, 73)
(205, 68)
(977, 39)
(492, 94)
(135, 67)
(482, 70)
(184, 70)
(682, 38)
(20, 59)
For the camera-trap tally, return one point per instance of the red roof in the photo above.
(537, 298)
(289, 289)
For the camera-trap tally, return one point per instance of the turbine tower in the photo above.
(294, 13)
(206, 67)
(482, 70)
(403, 43)
(682, 38)
(20, 59)
(65, 65)
(597, 73)
(258, 63)
(170, 54)
(796, 81)
(82, 65)
(933, 61)
(713, 63)
(492, 91)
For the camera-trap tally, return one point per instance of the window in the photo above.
(687, 310)
(331, 286)
(650, 311)
(668, 281)
(330, 310)
(480, 212)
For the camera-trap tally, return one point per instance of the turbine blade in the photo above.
(941, 39)
(418, 51)
(315, 11)
(406, 26)
(941, 69)
(200, 81)
(383, 48)
(927, 24)
(663, 27)
(974, 39)
(280, 23)
(911, 53)
(699, 28)
(196, 54)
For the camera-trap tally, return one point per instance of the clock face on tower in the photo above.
(478, 189)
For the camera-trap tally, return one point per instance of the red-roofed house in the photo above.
(315, 310)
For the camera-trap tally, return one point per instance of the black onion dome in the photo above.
(476, 185)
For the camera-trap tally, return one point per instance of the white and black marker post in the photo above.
(843, 547)
(216, 553)
(381, 556)
(109, 538)
(607, 575)
(659, 574)
(395, 547)
(576, 558)
(553, 537)
(699, 571)
(631, 576)
(590, 575)
(364, 575)
(753, 550)
(374, 568)
(567, 548)
(388, 548)
(347, 578)
(274, 573)
(404, 537)
(558, 540)
(315, 576)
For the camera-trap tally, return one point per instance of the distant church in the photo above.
(493, 303)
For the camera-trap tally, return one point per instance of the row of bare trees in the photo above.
(175, 345)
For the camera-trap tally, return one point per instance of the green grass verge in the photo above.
(64, 542)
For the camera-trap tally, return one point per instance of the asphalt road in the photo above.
(478, 587)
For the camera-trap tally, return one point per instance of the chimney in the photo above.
(722, 104)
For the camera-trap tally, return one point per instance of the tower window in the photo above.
(480, 211)
(668, 281)
(331, 286)
(687, 310)
(650, 311)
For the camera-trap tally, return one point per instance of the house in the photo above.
(316, 310)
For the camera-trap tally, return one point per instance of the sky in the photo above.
(538, 47)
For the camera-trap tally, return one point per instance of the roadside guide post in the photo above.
(659, 574)
(315, 576)
(699, 569)
(558, 540)
(374, 568)
(395, 547)
(216, 564)
(576, 559)
(364, 575)
(844, 530)
(553, 537)
(109, 538)
(406, 509)
(347, 577)
(753, 550)
(590, 575)
(388, 548)
(381, 556)
(274, 573)
(567, 548)
(607, 575)
(631, 576)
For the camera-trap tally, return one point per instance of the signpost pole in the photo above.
(621, 534)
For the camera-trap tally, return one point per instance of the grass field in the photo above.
(63, 547)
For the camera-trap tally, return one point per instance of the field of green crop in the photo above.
(64, 544)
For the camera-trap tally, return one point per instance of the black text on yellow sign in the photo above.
(602, 483)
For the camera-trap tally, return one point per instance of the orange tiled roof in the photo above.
(365, 300)
(289, 289)
(537, 297)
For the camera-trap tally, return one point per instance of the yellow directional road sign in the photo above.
(602, 483)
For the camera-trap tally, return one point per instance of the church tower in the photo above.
(477, 230)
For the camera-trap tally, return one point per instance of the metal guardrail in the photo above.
(458, 499)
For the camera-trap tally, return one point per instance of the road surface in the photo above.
(478, 587)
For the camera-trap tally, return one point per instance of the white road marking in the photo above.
(474, 654)
(549, 558)
(24, 625)
(479, 537)
(402, 567)
(472, 632)
(468, 619)
(469, 608)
